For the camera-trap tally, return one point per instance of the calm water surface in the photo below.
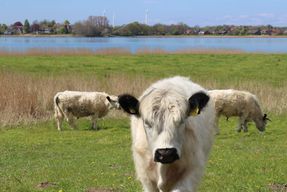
(269, 45)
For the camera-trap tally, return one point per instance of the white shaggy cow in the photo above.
(243, 104)
(70, 104)
(172, 127)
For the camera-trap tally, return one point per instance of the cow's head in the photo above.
(261, 122)
(163, 114)
(113, 102)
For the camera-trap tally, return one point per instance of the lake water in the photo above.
(268, 45)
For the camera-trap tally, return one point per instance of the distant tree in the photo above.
(35, 27)
(18, 24)
(66, 27)
(93, 26)
(26, 26)
(134, 29)
(159, 29)
(243, 30)
(3, 28)
(53, 26)
(78, 28)
(52, 23)
(18, 27)
(178, 29)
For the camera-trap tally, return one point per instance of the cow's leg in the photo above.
(245, 128)
(94, 122)
(217, 131)
(239, 128)
(241, 123)
(71, 120)
(190, 182)
(59, 118)
(149, 187)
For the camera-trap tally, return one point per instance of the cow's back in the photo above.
(82, 104)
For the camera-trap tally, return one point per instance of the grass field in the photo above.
(32, 151)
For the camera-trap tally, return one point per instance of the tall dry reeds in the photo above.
(26, 97)
(110, 51)
(64, 51)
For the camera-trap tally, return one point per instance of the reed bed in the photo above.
(110, 51)
(158, 51)
(28, 98)
(64, 52)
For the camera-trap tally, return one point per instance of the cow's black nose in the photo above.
(166, 155)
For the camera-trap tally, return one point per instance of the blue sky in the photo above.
(191, 12)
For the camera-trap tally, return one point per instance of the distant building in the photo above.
(17, 28)
(190, 32)
(254, 32)
(266, 32)
(201, 32)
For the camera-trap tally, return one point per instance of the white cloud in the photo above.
(243, 16)
(256, 19)
(151, 1)
(267, 15)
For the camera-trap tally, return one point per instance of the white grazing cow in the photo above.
(243, 104)
(70, 104)
(173, 127)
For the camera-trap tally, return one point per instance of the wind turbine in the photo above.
(146, 16)
(113, 20)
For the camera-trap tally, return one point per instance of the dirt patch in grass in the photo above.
(99, 190)
(278, 187)
(46, 184)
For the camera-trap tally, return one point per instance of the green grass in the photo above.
(248, 161)
(264, 68)
(76, 160)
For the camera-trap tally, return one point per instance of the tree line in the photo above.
(99, 26)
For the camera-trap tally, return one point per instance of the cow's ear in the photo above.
(129, 103)
(197, 102)
(112, 99)
(109, 99)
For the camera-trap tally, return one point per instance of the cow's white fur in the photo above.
(192, 136)
(70, 104)
(243, 104)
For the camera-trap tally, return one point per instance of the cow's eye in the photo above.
(147, 124)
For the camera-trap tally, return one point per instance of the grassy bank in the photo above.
(78, 160)
(261, 68)
(33, 152)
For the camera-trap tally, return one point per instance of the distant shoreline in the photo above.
(154, 36)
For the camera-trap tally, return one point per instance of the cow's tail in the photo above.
(57, 108)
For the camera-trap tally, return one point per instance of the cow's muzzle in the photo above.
(166, 155)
